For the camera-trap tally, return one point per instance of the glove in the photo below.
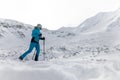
(43, 38)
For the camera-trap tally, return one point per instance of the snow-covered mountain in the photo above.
(103, 28)
(89, 51)
(101, 22)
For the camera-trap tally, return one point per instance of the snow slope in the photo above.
(90, 51)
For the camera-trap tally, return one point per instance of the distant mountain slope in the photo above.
(101, 22)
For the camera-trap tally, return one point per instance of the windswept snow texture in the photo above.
(90, 51)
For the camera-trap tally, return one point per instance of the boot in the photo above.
(36, 57)
(20, 58)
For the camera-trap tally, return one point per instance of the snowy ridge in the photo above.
(13, 32)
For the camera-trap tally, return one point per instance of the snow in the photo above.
(90, 51)
(82, 68)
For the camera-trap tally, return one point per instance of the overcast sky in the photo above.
(53, 14)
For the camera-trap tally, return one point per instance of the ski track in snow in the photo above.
(102, 67)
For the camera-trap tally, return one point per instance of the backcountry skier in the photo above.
(36, 36)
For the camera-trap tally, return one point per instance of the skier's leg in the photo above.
(37, 52)
(32, 45)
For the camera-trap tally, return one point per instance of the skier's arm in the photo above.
(34, 33)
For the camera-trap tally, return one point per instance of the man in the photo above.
(36, 36)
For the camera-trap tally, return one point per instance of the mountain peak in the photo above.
(101, 22)
(8, 23)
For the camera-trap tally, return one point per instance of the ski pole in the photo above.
(43, 49)
(33, 55)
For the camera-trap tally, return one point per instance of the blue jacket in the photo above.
(36, 34)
